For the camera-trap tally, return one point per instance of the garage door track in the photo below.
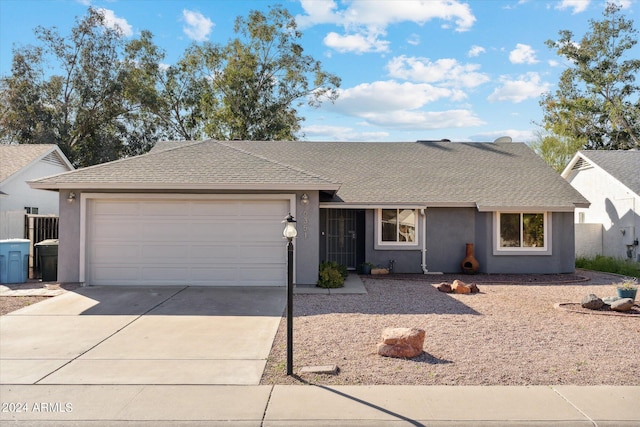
(142, 335)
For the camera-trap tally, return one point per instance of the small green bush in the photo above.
(609, 265)
(331, 275)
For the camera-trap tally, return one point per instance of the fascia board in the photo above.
(183, 187)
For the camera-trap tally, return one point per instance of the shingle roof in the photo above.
(197, 165)
(623, 165)
(14, 157)
(487, 175)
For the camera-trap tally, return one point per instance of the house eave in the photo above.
(107, 186)
(523, 208)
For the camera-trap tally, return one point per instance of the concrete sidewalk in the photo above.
(191, 405)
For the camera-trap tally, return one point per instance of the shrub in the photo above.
(610, 265)
(331, 275)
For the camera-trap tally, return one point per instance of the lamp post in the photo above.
(290, 232)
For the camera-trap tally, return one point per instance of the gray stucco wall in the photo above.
(69, 246)
(307, 244)
(450, 229)
(562, 259)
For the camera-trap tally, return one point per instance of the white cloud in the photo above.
(365, 22)
(384, 96)
(115, 23)
(358, 43)
(424, 120)
(446, 71)
(382, 13)
(197, 25)
(414, 39)
(400, 106)
(475, 51)
(340, 133)
(526, 86)
(523, 54)
(577, 5)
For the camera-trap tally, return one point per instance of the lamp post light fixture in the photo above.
(289, 233)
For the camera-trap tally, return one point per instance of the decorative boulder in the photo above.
(610, 300)
(623, 304)
(401, 342)
(459, 287)
(445, 287)
(592, 302)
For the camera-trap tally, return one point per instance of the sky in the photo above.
(411, 70)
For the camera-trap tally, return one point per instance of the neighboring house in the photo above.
(19, 164)
(211, 212)
(610, 180)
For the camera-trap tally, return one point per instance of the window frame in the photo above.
(397, 244)
(522, 250)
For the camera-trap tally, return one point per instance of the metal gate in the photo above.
(342, 237)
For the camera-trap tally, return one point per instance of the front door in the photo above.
(343, 229)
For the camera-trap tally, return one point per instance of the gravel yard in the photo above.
(508, 334)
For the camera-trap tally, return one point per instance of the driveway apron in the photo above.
(142, 335)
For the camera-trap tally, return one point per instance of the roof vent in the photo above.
(504, 139)
(581, 163)
(53, 158)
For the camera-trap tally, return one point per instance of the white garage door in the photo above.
(194, 242)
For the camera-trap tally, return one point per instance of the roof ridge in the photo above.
(277, 162)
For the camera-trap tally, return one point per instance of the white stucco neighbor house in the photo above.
(210, 212)
(610, 180)
(20, 163)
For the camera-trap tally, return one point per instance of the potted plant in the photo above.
(627, 288)
(366, 267)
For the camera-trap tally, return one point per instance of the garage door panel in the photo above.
(215, 242)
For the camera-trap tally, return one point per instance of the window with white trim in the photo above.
(522, 231)
(397, 227)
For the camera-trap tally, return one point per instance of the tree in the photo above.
(597, 104)
(92, 107)
(256, 81)
(556, 150)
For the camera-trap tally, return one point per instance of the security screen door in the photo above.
(342, 236)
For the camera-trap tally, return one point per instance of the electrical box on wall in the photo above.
(628, 235)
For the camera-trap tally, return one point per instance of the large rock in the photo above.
(445, 287)
(623, 304)
(592, 302)
(610, 300)
(401, 342)
(459, 287)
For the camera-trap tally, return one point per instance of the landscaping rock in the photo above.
(610, 300)
(623, 304)
(401, 342)
(459, 287)
(592, 302)
(445, 287)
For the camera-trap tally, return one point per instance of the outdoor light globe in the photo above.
(290, 229)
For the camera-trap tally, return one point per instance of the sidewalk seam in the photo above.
(266, 406)
(106, 338)
(595, 424)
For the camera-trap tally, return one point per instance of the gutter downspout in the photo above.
(424, 240)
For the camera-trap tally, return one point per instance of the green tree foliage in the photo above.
(89, 107)
(108, 98)
(597, 104)
(556, 150)
(258, 79)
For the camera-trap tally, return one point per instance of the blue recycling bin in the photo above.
(14, 260)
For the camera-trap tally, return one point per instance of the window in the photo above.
(31, 210)
(522, 231)
(397, 226)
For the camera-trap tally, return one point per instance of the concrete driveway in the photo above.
(142, 335)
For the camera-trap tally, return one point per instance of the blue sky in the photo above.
(462, 70)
